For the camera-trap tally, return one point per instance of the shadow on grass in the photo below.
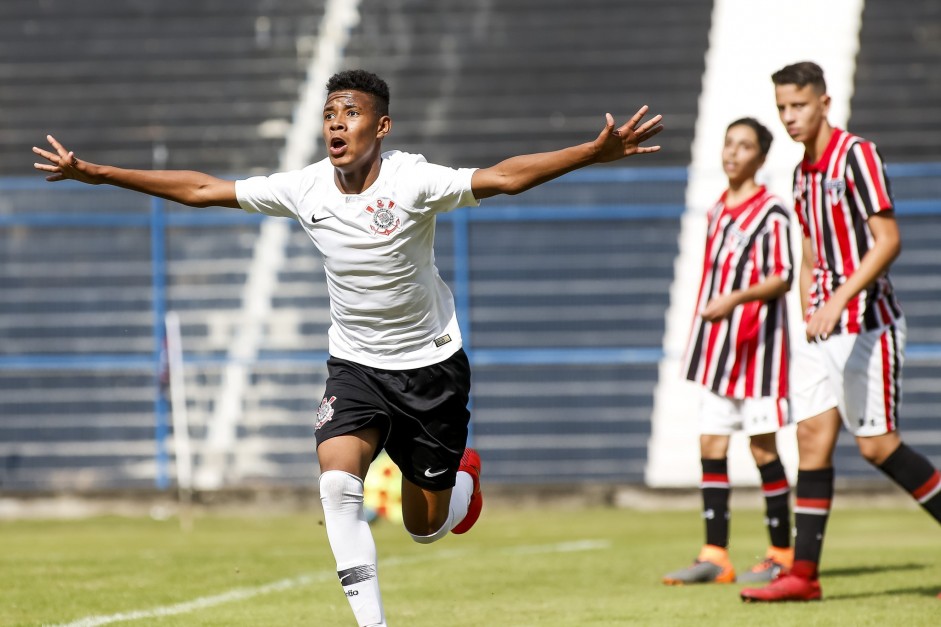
(923, 591)
(854, 571)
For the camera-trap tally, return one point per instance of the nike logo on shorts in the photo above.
(315, 220)
(429, 473)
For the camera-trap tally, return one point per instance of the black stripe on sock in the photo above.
(716, 504)
(813, 486)
(777, 507)
(911, 470)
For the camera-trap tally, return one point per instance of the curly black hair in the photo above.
(366, 82)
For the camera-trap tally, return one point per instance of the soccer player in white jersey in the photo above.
(738, 354)
(398, 377)
(849, 369)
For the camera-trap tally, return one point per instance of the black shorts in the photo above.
(421, 413)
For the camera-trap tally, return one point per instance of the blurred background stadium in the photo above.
(570, 294)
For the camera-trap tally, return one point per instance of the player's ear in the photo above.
(384, 126)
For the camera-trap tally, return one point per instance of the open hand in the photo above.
(63, 164)
(617, 143)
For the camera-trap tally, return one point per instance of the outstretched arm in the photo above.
(517, 174)
(183, 186)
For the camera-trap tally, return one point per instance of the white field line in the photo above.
(241, 594)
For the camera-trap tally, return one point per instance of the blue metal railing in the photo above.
(159, 219)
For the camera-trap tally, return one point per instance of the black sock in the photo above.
(777, 508)
(811, 511)
(715, 500)
(914, 472)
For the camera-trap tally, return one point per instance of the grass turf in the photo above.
(516, 568)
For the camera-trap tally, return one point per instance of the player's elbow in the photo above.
(216, 194)
(511, 186)
(190, 196)
(498, 180)
(891, 247)
(197, 202)
(896, 248)
(202, 203)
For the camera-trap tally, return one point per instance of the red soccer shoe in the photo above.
(470, 463)
(784, 588)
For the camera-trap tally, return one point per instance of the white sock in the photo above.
(457, 509)
(353, 546)
(460, 497)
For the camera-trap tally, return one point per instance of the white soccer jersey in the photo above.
(389, 307)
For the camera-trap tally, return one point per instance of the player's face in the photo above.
(352, 129)
(741, 154)
(802, 110)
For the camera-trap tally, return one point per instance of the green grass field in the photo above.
(546, 567)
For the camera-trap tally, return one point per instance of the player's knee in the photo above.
(338, 488)
(427, 536)
(764, 448)
(874, 450)
(427, 527)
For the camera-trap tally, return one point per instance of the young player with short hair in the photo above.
(397, 376)
(738, 353)
(849, 369)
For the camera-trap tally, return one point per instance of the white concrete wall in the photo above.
(748, 41)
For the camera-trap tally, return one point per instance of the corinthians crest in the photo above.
(384, 220)
(324, 412)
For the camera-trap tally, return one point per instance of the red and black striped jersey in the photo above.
(834, 199)
(745, 355)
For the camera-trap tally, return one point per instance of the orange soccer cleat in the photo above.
(712, 566)
(777, 562)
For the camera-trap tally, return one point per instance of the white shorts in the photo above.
(721, 415)
(860, 375)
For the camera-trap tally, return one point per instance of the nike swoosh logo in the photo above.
(314, 220)
(429, 473)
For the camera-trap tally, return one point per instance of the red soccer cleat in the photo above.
(470, 463)
(784, 588)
